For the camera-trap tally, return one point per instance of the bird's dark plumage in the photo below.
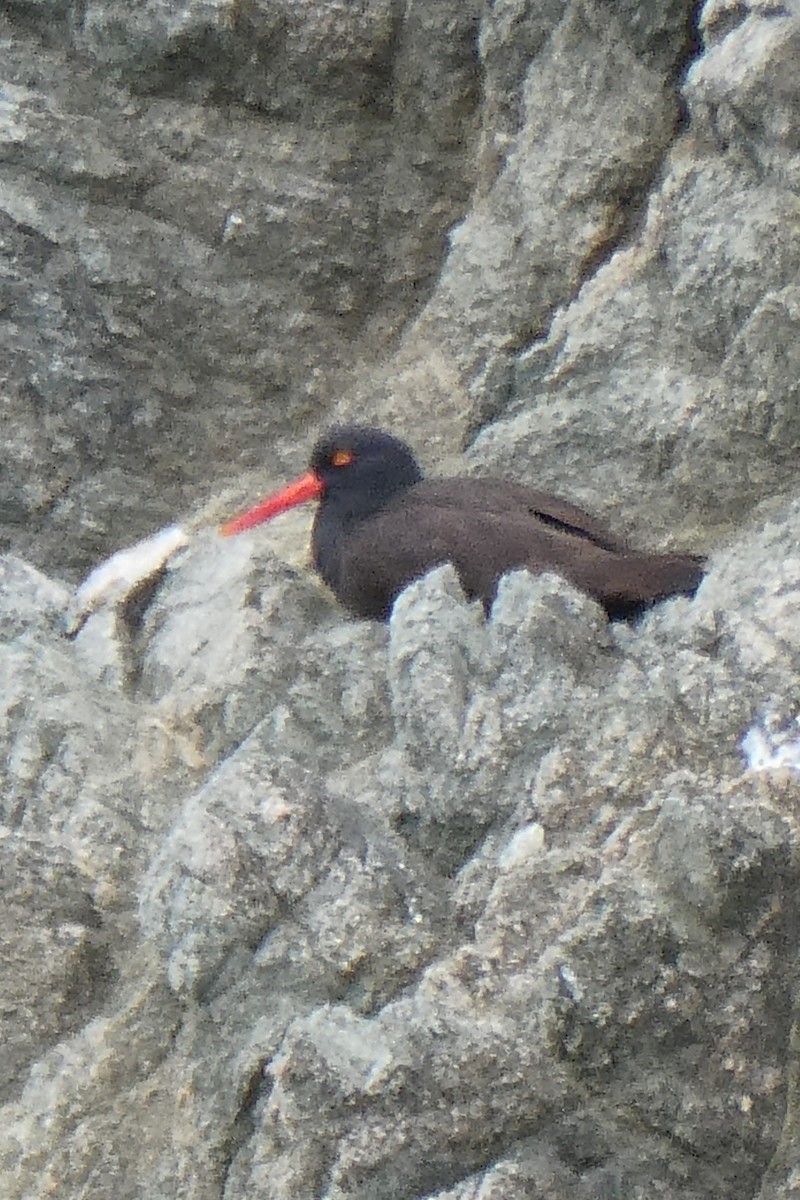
(380, 525)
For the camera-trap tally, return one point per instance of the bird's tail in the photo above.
(643, 579)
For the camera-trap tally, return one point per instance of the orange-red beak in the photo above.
(307, 487)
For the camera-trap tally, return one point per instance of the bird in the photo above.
(380, 525)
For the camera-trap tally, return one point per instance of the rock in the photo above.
(28, 598)
(58, 971)
(453, 907)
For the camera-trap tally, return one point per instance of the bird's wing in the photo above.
(507, 499)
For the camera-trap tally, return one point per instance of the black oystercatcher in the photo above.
(380, 525)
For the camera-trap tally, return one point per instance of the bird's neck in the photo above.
(342, 511)
(348, 506)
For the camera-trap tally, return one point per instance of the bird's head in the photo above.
(354, 470)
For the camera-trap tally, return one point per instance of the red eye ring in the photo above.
(342, 458)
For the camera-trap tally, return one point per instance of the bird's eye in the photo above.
(342, 458)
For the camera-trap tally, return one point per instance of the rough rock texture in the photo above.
(295, 907)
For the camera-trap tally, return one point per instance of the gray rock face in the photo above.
(295, 906)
